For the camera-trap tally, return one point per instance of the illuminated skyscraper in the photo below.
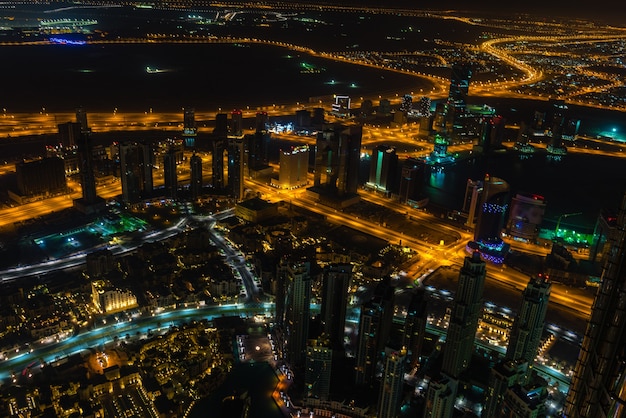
(236, 167)
(190, 130)
(261, 122)
(319, 358)
(335, 283)
(390, 393)
(383, 169)
(598, 387)
(195, 186)
(440, 397)
(406, 105)
(424, 106)
(415, 325)
(459, 87)
(170, 175)
(464, 316)
(294, 167)
(297, 315)
(525, 336)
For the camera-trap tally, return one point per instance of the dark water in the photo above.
(577, 183)
(204, 76)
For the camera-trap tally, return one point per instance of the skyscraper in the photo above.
(236, 167)
(383, 169)
(374, 328)
(459, 87)
(411, 180)
(335, 282)
(88, 180)
(297, 315)
(598, 387)
(236, 123)
(319, 358)
(525, 336)
(464, 316)
(390, 393)
(337, 157)
(190, 130)
(195, 186)
(415, 325)
(170, 175)
(261, 122)
(136, 162)
(69, 134)
(526, 216)
(293, 167)
(491, 212)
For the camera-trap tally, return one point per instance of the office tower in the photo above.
(221, 125)
(473, 192)
(464, 315)
(411, 180)
(526, 216)
(190, 130)
(219, 153)
(319, 357)
(262, 122)
(88, 180)
(459, 87)
(170, 175)
(492, 133)
(598, 387)
(415, 325)
(257, 146)
(559, 109)
(69, 134)
(337, 158)
(236, 123)
(303, 119)
(236, 167)
(293, 167)
(525, 336)
(136, 162)
(374, 328)
(406, 105)
(383, 169)
(390, 393)
(195, 163)
(45, 176)
(297, 315)
(440, 398)
(493, 206)
(318, 118)
(335, 282)
(424, 106)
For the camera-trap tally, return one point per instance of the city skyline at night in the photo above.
(295, 209)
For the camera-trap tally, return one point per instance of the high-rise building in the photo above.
(503, 376)
(411, 180)
(44, 176)
(383, 169)
(424, 106)
(440, 397)
(598, 387)
(526, 216)
(219, 153)
(464, 316)
(88, 180)
(337, 157)
(170, 174)
(257, 146)
(459, 87)
(195, 163)
(297, 315)
(261, 122)
(69, 134)
(415, 325)
(303, 119)
(221, 125)
(136, 163)
(335, 282)
(319, 358)
(293, 167)
(525, 336)
(406, 105)
(190, 130)
(236, 123)
(374, 329)
(390, 393)
(236, 167)
(491, 212)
